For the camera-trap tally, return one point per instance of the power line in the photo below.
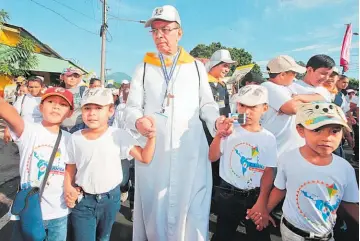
(83, 14)
(67, 20)
(125, 19)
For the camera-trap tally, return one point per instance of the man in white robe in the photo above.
(173, 192)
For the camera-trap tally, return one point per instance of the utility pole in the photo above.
(103, 43)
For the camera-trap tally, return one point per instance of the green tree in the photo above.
(300, 76)
(353, 83)
(18, 60)
(240, 55)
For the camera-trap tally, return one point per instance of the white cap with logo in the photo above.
(99, 96)
(252, 95)
(221, 55)
(166, 12)
(284, 63)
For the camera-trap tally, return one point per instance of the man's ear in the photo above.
(266, 107)
(300, 130)
(41, 106)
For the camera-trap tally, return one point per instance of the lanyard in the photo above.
(167, 75)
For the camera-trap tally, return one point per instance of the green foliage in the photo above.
(240, 55)
(300, 76)
(18, 60)
(353, 83)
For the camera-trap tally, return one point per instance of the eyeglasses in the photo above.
(162, 30)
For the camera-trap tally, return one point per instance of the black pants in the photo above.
(131, 187)
(356, 140)
(232, 207)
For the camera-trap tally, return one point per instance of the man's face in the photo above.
(166, 35)
(342, 83)
(96, 84)
(96, 116)
(221, 70)
(71, 80)
(319, 76)
(34, 88)
(323, 140)
(55, 109)
(253, 113)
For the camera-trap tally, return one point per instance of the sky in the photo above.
(264, 28)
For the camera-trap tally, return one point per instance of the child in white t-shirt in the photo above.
(314, 181)
(36, 142)
(93, 172)
(247, 158)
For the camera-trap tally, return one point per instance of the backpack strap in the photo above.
(82, 89)
(144, 76)
(22, 104)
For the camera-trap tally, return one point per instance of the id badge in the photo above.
(221, 103)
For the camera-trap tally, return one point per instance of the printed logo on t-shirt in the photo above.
(244, 161)
(322, 197)
(41, 155)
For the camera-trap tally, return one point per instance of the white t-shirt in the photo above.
(245, 155)
(29, 109)
(119, 120)
(281, 125)
(98, 162)
(302, 88)
(35, 147)
(354, 99)
(313, 193)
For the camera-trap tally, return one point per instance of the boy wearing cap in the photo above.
(72, 78)
(247, 158)
(93, 152)
(314, 181)
(36, 142)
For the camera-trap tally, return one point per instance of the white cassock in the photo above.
(173, 192)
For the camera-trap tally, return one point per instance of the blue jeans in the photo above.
(93, 217)
(56, 229)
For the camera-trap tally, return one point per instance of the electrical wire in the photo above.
(67, 20)
(71, 8)
(125, 19)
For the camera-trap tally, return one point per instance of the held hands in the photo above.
(224, 126)
(71, 195)
(260, 216)
(146, 126)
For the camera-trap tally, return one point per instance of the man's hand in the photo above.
(146, 126)
(7, 136)
(71, 194)
(224, 126)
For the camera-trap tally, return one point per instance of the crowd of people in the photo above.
(183, 146)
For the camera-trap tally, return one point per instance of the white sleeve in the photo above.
(209, 110)
(17, 104)
(70, 151)
(127, 142)
(119, 118)
(271, 152)
(345, 106)
(135, 102)
(277, 95)
(222, 144)
(280, 179)
(323, 92)
(26, 134)
(351, 192)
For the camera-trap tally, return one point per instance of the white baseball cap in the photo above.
(283, 63)
(251, 95)
(166, 12)
(125, 82)
(350, 90)
(221, 55)
(336, 70)
(99, 96)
